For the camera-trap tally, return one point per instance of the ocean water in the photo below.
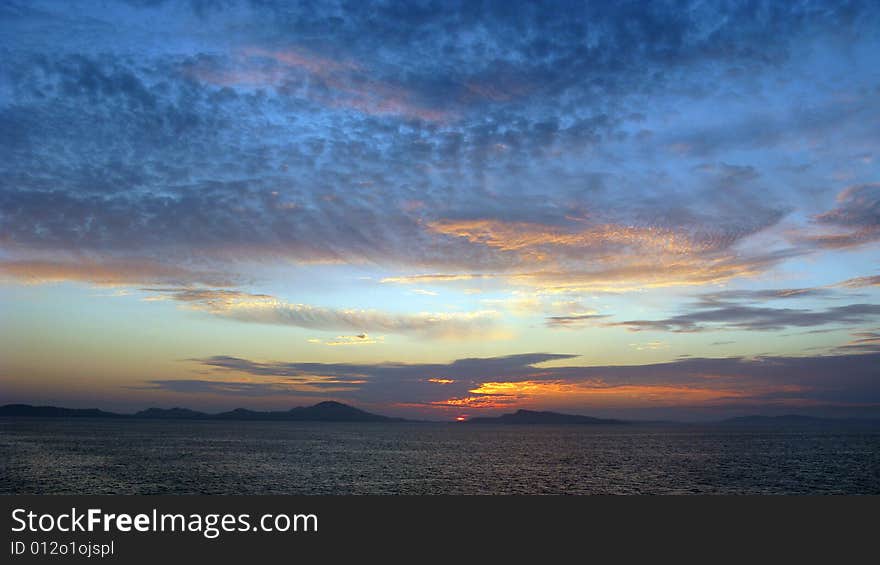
(179, 457)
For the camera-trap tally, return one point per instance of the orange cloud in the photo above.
(860, 282)
(526, 237)
(643, 273)
(630, 273)
(478, 402)
(491, 395)
(107, 273)
(605, 257)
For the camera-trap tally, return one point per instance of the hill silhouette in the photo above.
(330, 411)
(322, 412)
(26, 410)
(171, 413)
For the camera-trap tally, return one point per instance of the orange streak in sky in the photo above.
(531, 393)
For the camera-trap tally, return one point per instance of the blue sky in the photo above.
(605, 207)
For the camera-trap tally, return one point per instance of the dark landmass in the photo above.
(26, 410)
(321, 412)
(171, 413)
(797, 420)
(533, 417)
(338, 412)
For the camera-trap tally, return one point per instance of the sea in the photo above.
(106, 456)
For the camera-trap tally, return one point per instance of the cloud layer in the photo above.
(516, 380)
(527, 142)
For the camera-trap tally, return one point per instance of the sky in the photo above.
(442, 209)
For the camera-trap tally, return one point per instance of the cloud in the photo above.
(861, 282)
(867, 342)
(753, 318)
(434, 324)
(114, 272)
(649, 346)
(604, 254)
(572, 321)
(764, 295)
(857, 215)
(523, 380)
(467, 369)
(218, 298)
(517, 147)
(749, 296)
(530, 239)
(359, 339)
(331, 83)
(315, 386)
(436, 278)
(266, 309)
(621, 273)
(423, 292)
(736, 310)
(505, 395)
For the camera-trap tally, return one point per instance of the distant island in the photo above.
(330, 411)
(534, 417)
(28, 411)
(322, 412)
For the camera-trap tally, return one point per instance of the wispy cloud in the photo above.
(868, 342)
(856, 218)
(601, 256)
(112, 272)
(359, 339)
(312, 386)
(753, 318)
(436, 278)
(626, 272)
(266, 309)
(423, 292)
(573, 321)
(861, 282)
(763, 295)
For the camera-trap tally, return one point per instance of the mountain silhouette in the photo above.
(322, 412)
(171, 413)
(534, 417)
(331, 411)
